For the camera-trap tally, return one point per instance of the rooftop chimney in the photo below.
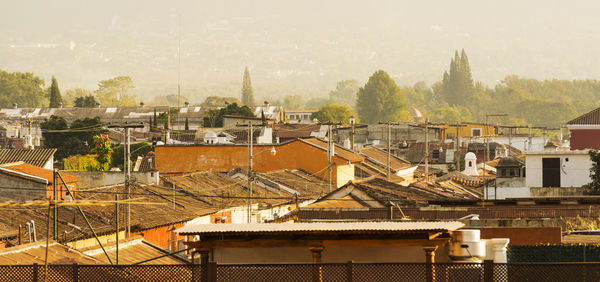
(15, 106)
(97, 104)
(187, 104)
(60, 105)
(141, 104)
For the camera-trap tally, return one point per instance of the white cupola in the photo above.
(470, 164)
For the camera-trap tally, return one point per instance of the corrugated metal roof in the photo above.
(380, 157)
(319, 226)
(131, 251)
(339, 151)
(37, 157)
(35, 253)
(591, 117)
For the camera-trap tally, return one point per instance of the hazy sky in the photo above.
(296, 47)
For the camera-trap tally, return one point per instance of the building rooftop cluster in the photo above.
(356, 192)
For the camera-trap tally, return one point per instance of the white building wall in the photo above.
(522, 143)
(345, 173)
(574, 173)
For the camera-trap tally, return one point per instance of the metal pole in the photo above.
(352, 136)
(250, 140)
(84, 218)
(389, 147)
(117, 227)
(55, 208)
(485, 156)
(127, 182)
(426, 149)
(457, 148)
(329, 156)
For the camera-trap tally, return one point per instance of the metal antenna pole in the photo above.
(127, 182)
(389, 147)
(329, 156)
(250, 140)
(426, 149)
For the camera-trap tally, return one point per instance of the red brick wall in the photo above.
(585, 139)
(523, 235)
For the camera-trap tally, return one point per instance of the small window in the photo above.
(435, 154)
(470, 163)
(476, 132)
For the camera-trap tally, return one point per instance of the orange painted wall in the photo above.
(161, 236)
(293, 155)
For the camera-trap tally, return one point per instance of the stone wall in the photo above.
(103, 178)
(557, 191)
(28, 191)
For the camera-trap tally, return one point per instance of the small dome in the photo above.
(470, 156)
(509, 161)
(210, 134)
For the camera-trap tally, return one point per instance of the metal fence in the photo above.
(356, 272)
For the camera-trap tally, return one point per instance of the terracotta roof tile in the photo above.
(36, 171)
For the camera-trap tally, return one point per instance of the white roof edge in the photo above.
(329, 226)
(559, 152)
(33, 177)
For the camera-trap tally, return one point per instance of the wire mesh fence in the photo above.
(356, 272)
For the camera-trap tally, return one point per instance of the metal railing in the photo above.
(355, 272)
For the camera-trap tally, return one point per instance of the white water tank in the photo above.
(466, 246)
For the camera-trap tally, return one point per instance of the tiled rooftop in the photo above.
(36, 157)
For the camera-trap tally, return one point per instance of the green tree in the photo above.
(316, 103)
(333, 113)
(293, 102)
(71, 95)
(24, 89)
(137, 149)
(450, 114)
(54, 94)
(247, 93)
(594, 186)
(113, 92)
(381, 100)
(187, 124)
(344, 93)
(155, 119)
(85, 101)
(103, 151)
(82, 163)
(173, 100)
(457, 84)
(76, 139)
(214, 117)
(218, 101)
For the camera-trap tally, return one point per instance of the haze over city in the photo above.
(294, 48)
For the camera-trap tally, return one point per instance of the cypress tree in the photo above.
(55, 98)
(458, 87)
(155, 119)
(150, 123)
(187, 125)
(247, 93)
